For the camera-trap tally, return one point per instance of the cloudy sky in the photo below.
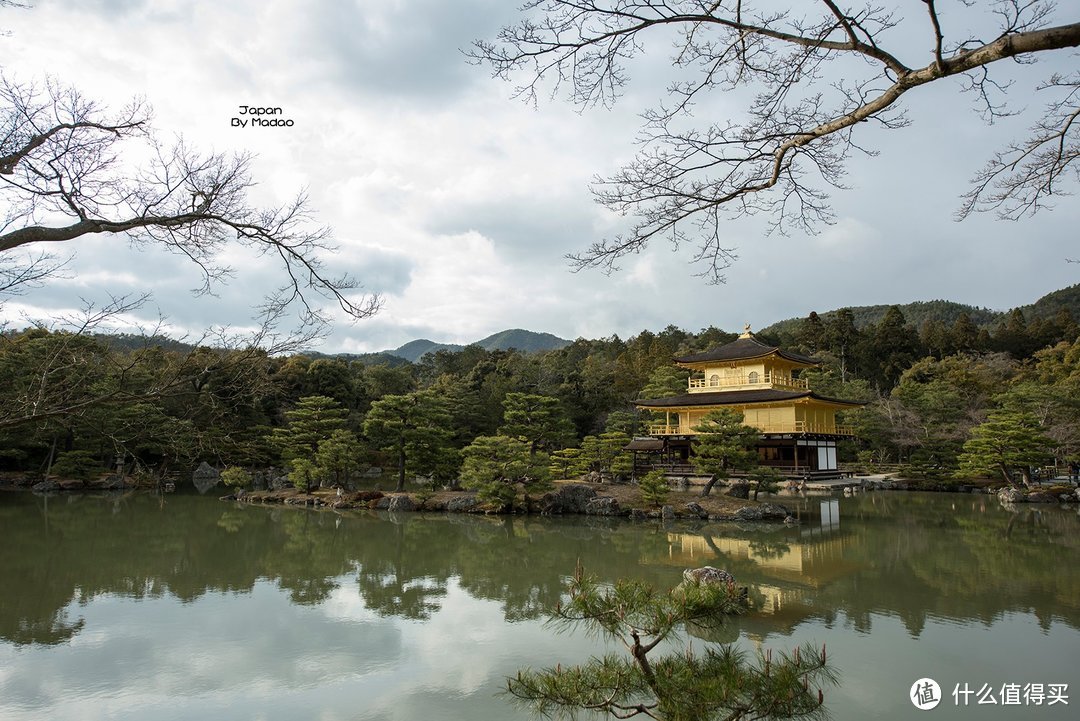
(458, 203)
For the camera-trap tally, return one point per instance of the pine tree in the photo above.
(723, 444)
(811, 335)
(654, 488)
(685, 685)
(605, 455)
(339, 455)
(1010, 441)
(964, 336)
(494, 466)
(843, 337)
(311, 421)
(538, 420)
(415, 428)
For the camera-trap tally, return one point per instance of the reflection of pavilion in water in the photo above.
(784, 569)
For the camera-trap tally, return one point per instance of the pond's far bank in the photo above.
(569, 497)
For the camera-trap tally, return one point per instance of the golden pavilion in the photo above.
(799, 432)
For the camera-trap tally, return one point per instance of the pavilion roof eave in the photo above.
(728, 398)
(744, 348)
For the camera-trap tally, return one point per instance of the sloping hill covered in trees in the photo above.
(919, 312)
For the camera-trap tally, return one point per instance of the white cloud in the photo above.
(458, 203)
(847, 235)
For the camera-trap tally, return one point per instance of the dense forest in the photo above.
(74, 404)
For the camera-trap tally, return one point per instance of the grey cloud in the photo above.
(523, 228)
(412, 50)
(378, 271)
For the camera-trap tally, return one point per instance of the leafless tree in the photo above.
(789, 149)
(67, 170)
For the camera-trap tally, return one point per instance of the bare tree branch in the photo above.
(790, 148)
(63, 176)
(19, 274)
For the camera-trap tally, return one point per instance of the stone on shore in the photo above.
(570, 498)
(463, 504)
(763, 512)
(740, 489)
(602, 506)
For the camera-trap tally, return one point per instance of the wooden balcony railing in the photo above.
(772, 380)
(674, 429)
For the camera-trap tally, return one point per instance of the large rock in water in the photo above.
(1011, 495)
(205, 477)
(46, 486)
(707, 574)
(717, 576)
(570, 498)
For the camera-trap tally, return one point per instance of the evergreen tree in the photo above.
(566, 463)
(415, 428)
(538, 420)
(605, 455)
(1013, 338)
(312, 420)
(723, 444)
(625, 422)
(893, 346)
(935, 337)
(1009, 442)
(665, 381)
(236, 477)
(843, 338)
(339, 456)
(812, 337)
(764, 478)
(685, 685)
(654, 488)
(964, 335)
(331, 377)
(306, 474)
(494, 466)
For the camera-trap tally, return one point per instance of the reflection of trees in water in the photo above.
(400, 571)
(900, 556)
(918, 556)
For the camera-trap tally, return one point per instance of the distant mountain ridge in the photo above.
(526, 341)
(947, 312)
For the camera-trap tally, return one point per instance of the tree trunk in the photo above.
(709, 486)
(1007, 474)
(1025, 476)
(401, 469)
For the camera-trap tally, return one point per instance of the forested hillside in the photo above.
(71, 404)
(513, 339)
(947, 312)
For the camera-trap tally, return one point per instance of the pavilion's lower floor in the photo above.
(796, 456)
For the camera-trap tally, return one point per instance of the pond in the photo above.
(185, 607)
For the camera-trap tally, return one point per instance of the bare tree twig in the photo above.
(62, 177)
(788, 151)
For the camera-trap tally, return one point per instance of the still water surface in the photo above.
(135, 607)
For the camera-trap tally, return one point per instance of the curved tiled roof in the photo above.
(726, 398)
(745, 347)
